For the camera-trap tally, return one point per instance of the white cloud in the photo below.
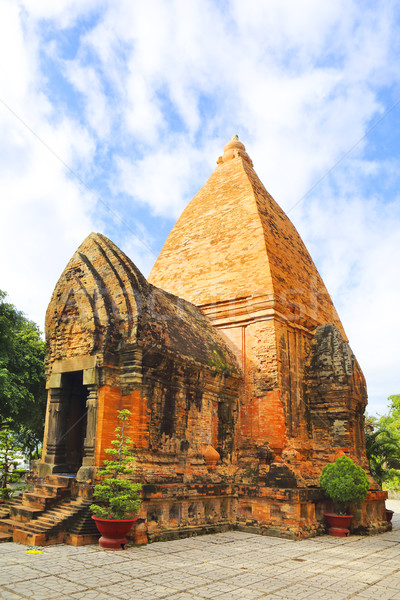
(45, 213)
(64, 12)
(162, 86)
(163, 180)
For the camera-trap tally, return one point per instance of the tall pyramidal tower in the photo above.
(236, 255)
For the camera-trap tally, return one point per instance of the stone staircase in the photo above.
(51, 512)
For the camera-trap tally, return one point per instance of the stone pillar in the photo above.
(54, 460)
(86, 472)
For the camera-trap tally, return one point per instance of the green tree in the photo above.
(382, 450)
(22, 378)
(391, 421)
(10, 456)
(383, 444)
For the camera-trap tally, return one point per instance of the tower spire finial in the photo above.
(234, 149)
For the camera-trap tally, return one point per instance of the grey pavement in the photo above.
(231, 565)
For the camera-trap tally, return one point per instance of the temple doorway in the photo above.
(76, 419)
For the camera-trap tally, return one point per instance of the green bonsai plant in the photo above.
(345, 483)
(119, 497)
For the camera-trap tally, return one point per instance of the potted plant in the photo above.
(118, 496)
(345, 483)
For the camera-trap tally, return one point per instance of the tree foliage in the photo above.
(119, 497)
(383, 449)
(383, 444)
(10, 455)
(22, 378)
(345, 483)
(391, 421)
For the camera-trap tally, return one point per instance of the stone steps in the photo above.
(52, 490)
(7, 525)
(47, 514)
(38, 500)
(24, 513)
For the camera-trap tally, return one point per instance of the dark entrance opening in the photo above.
(76, 418)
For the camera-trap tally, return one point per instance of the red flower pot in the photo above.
(338, 525)
(113, 532)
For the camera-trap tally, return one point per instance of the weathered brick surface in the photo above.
(114, 342)
(259, 372)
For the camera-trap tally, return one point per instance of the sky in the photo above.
(114, 112)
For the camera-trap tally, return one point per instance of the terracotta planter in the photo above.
(389, 515)
(113, 532)
(338, 525)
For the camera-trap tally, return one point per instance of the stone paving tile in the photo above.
(379, 593)
(8, 594)
(303, 591)
(169, 562)
(270, 541)
(177, 581)
(214, 590)
(97, 577)
(168, 548)
(16, 573)
(381, 569)
(246, 579)
(367, 576)
(140, 569)
(186, 596)
(271, 559)
(149, 592)
(232, 565)
(60, 585)
(99, 559)
(273, 570)
(83, 596)
(55, 567)
(310, 568)
(338, 585)
(272, 584)
(342, 572)
(300, 574)
(242, 594)
(393, 581)
(240, 562)
(209, 571)
(198, 555)
(33, 589)
(10, 547)
(234, 551)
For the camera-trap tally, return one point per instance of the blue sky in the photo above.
(138, 100)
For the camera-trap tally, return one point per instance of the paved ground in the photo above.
(224, 566)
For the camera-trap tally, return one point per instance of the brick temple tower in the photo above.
(236, 255)
(231, 358)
